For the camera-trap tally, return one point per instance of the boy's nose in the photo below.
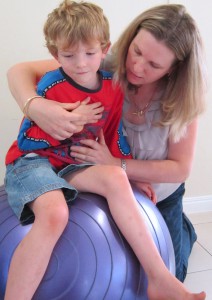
(80, 62)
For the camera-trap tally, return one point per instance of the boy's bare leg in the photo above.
(112, 183)
(32, 255)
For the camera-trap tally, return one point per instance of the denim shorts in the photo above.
(31, 176)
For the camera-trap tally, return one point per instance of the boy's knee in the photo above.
(57, 218)
(116, 177)
(120, 174)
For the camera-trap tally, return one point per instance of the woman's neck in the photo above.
(140, 101)
(145, 91)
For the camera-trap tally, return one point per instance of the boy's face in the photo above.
(81, 63)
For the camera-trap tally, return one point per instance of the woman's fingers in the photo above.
(86, 152)
(62, 120)
(101, 138)
(83, 154)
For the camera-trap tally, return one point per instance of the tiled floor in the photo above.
(200, 264)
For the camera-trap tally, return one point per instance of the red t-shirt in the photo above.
(56, 85)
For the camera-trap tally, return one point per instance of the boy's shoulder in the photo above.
(106, 74)
(51, 77)
(54, 74)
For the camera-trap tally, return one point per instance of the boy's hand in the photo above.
(92, 111)
(60, 119)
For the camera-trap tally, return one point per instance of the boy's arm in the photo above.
(31, 137)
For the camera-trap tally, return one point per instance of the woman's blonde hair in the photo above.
(75, 21)
(183, 98)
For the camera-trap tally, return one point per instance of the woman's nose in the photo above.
(139, 65)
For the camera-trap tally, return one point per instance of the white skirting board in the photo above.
(197, 204)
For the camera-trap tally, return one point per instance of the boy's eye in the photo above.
(67, 55)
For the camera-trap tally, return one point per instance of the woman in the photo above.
(158, 60)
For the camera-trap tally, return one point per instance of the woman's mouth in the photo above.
(133, 75)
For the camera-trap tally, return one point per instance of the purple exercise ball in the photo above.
(91, 260)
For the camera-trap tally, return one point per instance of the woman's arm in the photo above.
(23, 77)
(60, 120)
(176, 168)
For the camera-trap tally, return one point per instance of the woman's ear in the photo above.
(173, 69)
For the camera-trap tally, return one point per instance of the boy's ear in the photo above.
(56, 57)
(107, 48)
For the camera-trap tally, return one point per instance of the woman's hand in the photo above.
(60, 120)
(94, 151)
(147, 189)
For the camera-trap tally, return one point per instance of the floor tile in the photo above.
(199, 218)
(204, 233)
(200, 281)
(200, 260)
(200, 263)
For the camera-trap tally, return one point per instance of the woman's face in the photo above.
(148, 59)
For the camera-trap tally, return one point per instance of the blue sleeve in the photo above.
(30, 136)
(122, 142)
(27, 140)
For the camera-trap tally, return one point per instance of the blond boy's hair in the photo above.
(72, 22)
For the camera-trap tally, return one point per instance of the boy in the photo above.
(77, 35)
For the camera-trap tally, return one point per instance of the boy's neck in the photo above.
(94, 85)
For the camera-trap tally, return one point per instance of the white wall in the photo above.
(21, 38)
(199, 183)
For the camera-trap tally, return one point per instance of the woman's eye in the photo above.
(137, 51)
(153, 65)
